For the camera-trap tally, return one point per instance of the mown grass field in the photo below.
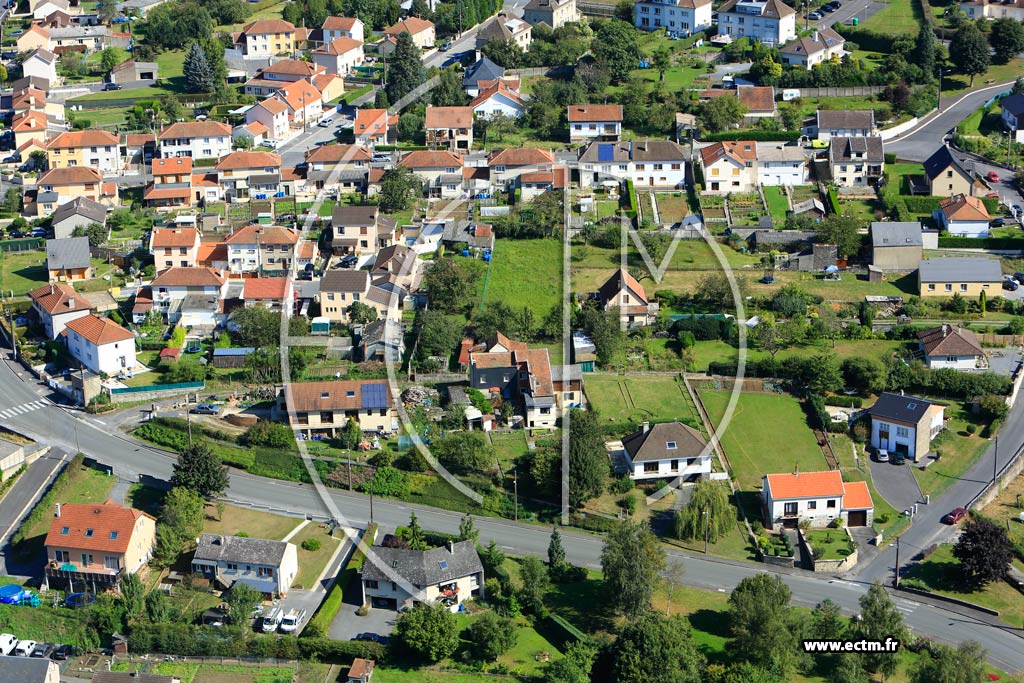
(618, 399)
(525, 273)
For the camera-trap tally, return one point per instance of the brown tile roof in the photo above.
(448, 117)
(273, 105)
(307, 249)
(211, 252)
(653, 442)
(98, 330)
(174, 237)
(338, 153)
(740, 151)
(947, 340)
(138, 139)
(361, 668)
(595, 112)
(339, 24)
(499, 88)
(265, 288)
(620, 280)
(263, 234)
(757, 98)
(558, 177)
(300, 95)
(196, 129)
(83, 138)
(523, 156)
(539, 366)
(962, 207)
(805, 485)
(256, 128)
(172, 166)
(189, 277)
(58, 298)
(74, 175)
(370, 122)
(292, 67)
(773, 9)
(413, 25)
(426, 158)
(29, 120)
(242, 160)
(827, 39)
(510, 83)
(106, 527)
(336, 395)
(339, 46)
(345, 281)
(269, 26)
(160, 192)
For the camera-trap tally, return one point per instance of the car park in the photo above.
(206, 409)
(953, 516)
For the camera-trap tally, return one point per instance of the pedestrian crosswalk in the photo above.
(14, 411)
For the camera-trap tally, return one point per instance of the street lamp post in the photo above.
(706, 526)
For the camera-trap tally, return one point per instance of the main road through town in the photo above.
(25, 407)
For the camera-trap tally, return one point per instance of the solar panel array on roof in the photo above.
(606, 152)
(233, 352)
(374, 396)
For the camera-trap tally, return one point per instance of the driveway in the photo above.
(308, 600)
(896, 484)
(347, 625)
(1004, 361)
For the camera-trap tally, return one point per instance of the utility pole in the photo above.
(897, 579)
(515, 488)
(371, 501)
(188, 421)
(706, 525)
(995, 462)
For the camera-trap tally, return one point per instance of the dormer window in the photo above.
(670, 445)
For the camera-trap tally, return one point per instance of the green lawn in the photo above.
(256, 524)
(618, 399)
(959, 449)
(672, 206)
(754, 442)
(525, 273)
(508, 447)
(900, 17)
(895, 174)
(828, 544)
(997, 73)
(777, 204)
(522, 658)
(22, 271)
(313, 562)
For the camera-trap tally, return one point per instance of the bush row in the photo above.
(844, 401)
(1008, 243)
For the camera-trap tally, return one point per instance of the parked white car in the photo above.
(24, 648)
(7, 644)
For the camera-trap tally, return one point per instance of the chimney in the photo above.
(451, 547)
(646, 427)
(71, 302)
(53, 289)
(56, 512)
(796, 470)
(817, 37)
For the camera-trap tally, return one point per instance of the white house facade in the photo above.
(817, 498)
(676, 16)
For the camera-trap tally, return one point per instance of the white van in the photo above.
(272, 621)
(291, 621)
(24, 648)
(7, 644)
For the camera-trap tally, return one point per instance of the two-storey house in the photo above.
(373, 126)
(905, 424)
(821, 46)
(499, 97)
(648, 163)
(174, 247)
(340, 168)
(512, 371)
(505, 28)
(266, 38)
(624, 294)
(948, 175)
(817, 498)
(94, 148)
(196, 139)
(261, 249)
(779, 164)
(667, 450)
(771, 22)
(506, 165)
(963, 216)
(272, 113)
(360, 229)
(843, 123)
(450, 127)
(55, 305)
(857, 161)
(681, 17)
(269, 567)
(41, 64)
(339, 56)
(172, 287)
(342, 27)
(439, 170)
(100, 345)
(554, 13)
(305, 103)
(420, 30)
(327, 407)
(172, 184)
(245, 175)
(1012, 113)
(60, 185)
(729, 166)
(594, 122)
(78, 213)
(448, 576)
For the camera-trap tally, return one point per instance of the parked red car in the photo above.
(993, 177)
(954, 516)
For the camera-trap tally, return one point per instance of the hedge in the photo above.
(631, 191)
(560, 633)
(868, 40)
(833, 200)
(1003, 243)
(756, 135)
(844, 401)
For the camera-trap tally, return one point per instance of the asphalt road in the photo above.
(70, 430)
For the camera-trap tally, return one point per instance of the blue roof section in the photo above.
(233, 352)
(606, 152)
(374, 396)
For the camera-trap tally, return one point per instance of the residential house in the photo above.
(339, 289)
(816, 498)
(771, 22)
(517, 373)
(963, 216)
(681, 17)
(60, 185)
(397, 263)
(729, 166)
(821, 46)
(439, 170)
(648, 163)
(68, 259)
(505, 28)
(33, 38)
(595, 122)
(567, 381)
(196, 139)
(342, 27)
(420, 30)
(79, 38)
(463, 234)
(78, 213)
(133, 71)
(267, 566)
(554, 13)
(326, 407)
(506, 165)
(28, 670)
(272, 114)
(245, 175)
(905, 424)
(172, 184)
(896, 246)
(97, 542)
(622, 293)
(100, 345)
(360, 229)
(965, 275)
(482, 70)
(138, 149)
(199, 285)
(856, 161)
(57, 304)
(780, 164)
(94, 148)
(305, 103)
(667, 450)
(993, 9)
(372, 127)
(1012, 112)
(383, 341)
(339, 168)
(946, 346)
(33, 99)
(255, 133)
(500, 97)
(41, 64)
(361, 670)
(758, 100)
(331, 87)
(450, 575)
(843, 123)
(948, 175)
(261, 248)
(339, 56)
(28, 126)
(450, 127)
(174, 247)
(48, 8)
(535, 183)
(271, 78)
(266, 38)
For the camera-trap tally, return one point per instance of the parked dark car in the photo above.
(206, 409)
(954, 516)
(1019, 277)
(15, 234)
(112, 86)
(1010, 285)
(996, 223)
(42, 650)
(349, 261)
(64, 652)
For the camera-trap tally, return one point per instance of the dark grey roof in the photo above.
(200, 302)
(482, 70)
(846, 119)
(265, 179)
(565, 373)
(896, 234)
(68, 252)
(426, 568)
(23, 670)
(353, 216)
(217, 548)
(781, 236)
(812, 204)
(943, 159)
(345, 281)
(1013, 104)
(122, 677)
(632, 150)
(47, 197)
(664, 441)
(81, 206)
(959, 269)
(843, 149)
(374, 332)
(901, 408)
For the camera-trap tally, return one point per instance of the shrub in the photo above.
(844, 401)
(269, 434)
(972, 428)
(311, 544)
(622, 485)
(916, 584)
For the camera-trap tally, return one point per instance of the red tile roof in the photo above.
(29, 120)
(106, 527)
(427, 158)
(757, 98)
(412, 25)
(211, 252)
(337, 153)
(448, 117)
(858, 496)
(98, 330)
(196, 129)
(339, 24)
(172, 166)
(189, 277)
(805, 485)
(269, 26)
(962, 207)
(595, 112)
(300, 95)
(174, 237)
(263, 234)
(75, 175)
(273, 105)
(332, 395)
(524, 156)
(58, 298)
(370, 122)
(83, 138)
(292, 67)
(340, 46)
(740, 151)
(242, 160)
(499, 88)
(265, 288)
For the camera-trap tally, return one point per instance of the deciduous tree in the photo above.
(491, 636)
(707, 512)
(535, 584)
(969, 51)
(398, 187)
(943, 664)
(427, 632)
(762, 623)
(720, 113)
(199, 469)
(631, 560)
(574, 667)
(984, 551)
(1006, 39)
(617, 46)
(657, 649)
(879, 619)
(405, 69)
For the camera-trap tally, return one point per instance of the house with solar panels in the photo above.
(648, 163)
(323, 408)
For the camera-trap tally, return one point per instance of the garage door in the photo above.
(858, 518)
